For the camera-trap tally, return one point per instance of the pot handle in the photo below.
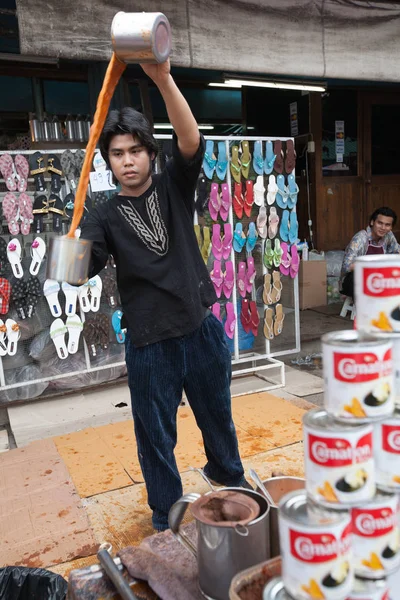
(175, 518)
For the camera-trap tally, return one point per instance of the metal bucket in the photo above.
(69, 260)
(141, 37)
(222, 552)
(279, 487)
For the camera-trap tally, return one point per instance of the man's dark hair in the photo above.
(126, 121)
(385, 211)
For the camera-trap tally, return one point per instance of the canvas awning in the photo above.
(350, 39)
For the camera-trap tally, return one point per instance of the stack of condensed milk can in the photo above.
(340, 537)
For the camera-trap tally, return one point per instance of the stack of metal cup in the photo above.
(340, 538)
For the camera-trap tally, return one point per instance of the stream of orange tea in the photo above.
(111, 79)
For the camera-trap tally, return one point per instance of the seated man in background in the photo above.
(378, 238)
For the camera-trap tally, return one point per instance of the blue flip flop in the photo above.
(209, 162)
(258, 160)
(251, 237)
(282, 194)
(293, 190)
(269, 158)
(239, 239)
(284, 228)
(294, 228)
(222, 163)
(116, 323)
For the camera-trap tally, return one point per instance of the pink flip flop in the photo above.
(250, 274)
(226, 201)
(262, 222)
(241, 279)
(25, 213)
(216, 242)
(214, 203)
(285, 260)
(273, 221)
(7, 170)
(227, 241)
(294, 267)
(217, 278)
(10, 211)
(228, 279)
(216, 310)
(22, 168)
(230, 323)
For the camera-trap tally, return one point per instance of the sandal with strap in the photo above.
(214, 203)
(268, 324)
(255, 318)
(285, 260)
(40, 208)
(216, 241)
(217, 278)
(248, 198)
(236, 165)
(238, 200)
(239, 239)
(37, 169)
(209, 160)
(277, 253)
(245, 316)
(250, 274)
(245, 161)
(276, 290)
(267, 290)
(268, 257)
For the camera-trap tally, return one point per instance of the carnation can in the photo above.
(387, 453)
(315, 548)
(358, 376)
(376, 543)
(339, 463)
(395, 339)
(377, 292)
(363, 589)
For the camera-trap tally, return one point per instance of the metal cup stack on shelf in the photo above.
(340, 538)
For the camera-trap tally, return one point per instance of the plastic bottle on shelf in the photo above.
(70, 127)
(46, 126)
(56, 131)
(80, 128)
(304, 253)
(35, 127)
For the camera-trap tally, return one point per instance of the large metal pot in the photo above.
(69, 260)
(141, 37)
(277, 488)
(222, 552)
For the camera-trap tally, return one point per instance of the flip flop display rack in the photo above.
(53, 336)
(246, 226)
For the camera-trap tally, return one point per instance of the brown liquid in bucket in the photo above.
(111, 79)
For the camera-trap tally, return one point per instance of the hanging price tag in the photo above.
(101, 181)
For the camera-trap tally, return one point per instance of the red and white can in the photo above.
(362, 590)
(315, 548)
(376, 539)
(387, 454)
(377, 293)
(370, 590)
(358, 376)
(339, 462)
(395, 339)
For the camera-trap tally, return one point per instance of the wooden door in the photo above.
(382, 152)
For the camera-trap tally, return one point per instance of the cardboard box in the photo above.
(312, 283)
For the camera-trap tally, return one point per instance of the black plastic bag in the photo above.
(22, 583)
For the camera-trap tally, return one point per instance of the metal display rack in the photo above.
(261, 361)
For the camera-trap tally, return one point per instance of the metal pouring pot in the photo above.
(222, 552)
(141, 37)
(69, 260)
(277, 487)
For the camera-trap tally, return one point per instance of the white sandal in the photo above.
(57, 334)
(74, 326)
(14, 257)
(51, 288)
(38, 250)
(13, 335)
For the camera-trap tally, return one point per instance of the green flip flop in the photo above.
(277, 253)
(269, 256)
